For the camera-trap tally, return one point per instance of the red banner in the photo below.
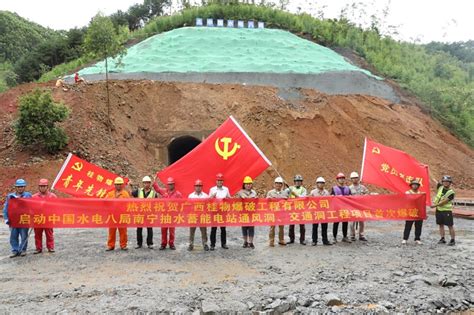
(393, 169)
(80, 178)
(228, 150)
(101, 213)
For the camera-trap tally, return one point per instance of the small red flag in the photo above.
(393, 169)
(80, 178)
(228, 150)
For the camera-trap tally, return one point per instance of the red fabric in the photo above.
(39, 238)
(164, 236)
(228, 150)
(80, 178)
(393, 169)
(164, 212)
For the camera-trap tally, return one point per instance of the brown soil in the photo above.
(314, 135)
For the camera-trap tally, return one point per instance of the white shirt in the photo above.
(219, 192)
(194, 195)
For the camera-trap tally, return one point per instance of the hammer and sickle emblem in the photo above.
(375, 150)
(225, 153)
(77, 166)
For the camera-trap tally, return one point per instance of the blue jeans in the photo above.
(15, 235)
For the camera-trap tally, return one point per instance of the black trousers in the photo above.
(214, 234)
(324, 232)
(408, 225)
(335, 227)
(248, 231)
(149, 236)
(292, 232)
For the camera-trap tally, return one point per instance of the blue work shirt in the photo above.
(13, 195)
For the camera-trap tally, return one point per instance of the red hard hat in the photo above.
(43, 182)
(340, 175)
(170, 180)
(220, 176)
(198, 182)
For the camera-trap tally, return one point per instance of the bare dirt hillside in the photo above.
(301, 131)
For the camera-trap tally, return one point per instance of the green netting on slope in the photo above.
(205, 49)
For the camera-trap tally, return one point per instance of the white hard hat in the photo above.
(146, 179)
(354, 175)
(279, 180)
(320, 180)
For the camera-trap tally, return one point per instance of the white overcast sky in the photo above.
(425, 20)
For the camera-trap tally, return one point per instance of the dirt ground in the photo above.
(378, 276)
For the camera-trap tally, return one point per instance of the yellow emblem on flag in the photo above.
(375, 150)
(224, 152)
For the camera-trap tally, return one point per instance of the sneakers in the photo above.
(150, 246)
(225, 246)
(346, 240)
(206, 248)
(190, 247)
(138, 246)
(252, 246)
(303, 242)
(353, 238)
(404, 242)
(362, 238)
(213, 247)
(172, 247)
(51, 250)
(442, 241)
(290, 242)
(418, 242)
(327, 243)
(109, 249)
(314, 243)
(13, 255)
(38, 251)
(452, 242)
(162, 247)
(245, 245)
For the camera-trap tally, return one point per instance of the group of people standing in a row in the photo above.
(443, 203)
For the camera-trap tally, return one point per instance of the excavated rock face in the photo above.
(300, 131)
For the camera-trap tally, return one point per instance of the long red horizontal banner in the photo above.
(101, 213)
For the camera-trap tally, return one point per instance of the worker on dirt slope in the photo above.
(149, 193)
(277, 192)
(118, 192)
(18, 236)
(414, 189)
(340, 190)
(357, 189)
(444, 209)
(198, 194)
(169, 192)
(297, 191)
(43, 186)
(220, 192)
(247, 191)
(320, 192)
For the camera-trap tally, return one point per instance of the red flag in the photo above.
(393, 169)
(228, 150)
(80, 178)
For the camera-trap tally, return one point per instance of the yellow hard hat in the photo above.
(118, 181)
(248, 180)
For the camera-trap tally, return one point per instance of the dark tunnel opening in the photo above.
(179, 147)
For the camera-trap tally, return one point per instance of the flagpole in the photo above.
(61, 170)
(363, 159)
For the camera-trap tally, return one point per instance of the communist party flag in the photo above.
(393, 169)
(228, 150)
(80, 178)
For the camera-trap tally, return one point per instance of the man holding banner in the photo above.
(118, 192)
(277, 192)
(357, 189)
(44, 193)
(142, 193)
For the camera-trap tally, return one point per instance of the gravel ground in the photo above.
(378, 276)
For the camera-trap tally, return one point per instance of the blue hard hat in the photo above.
(20, 182)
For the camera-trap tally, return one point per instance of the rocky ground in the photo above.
(378, 276)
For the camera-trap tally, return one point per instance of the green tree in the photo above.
(103, 40)
(37, 122)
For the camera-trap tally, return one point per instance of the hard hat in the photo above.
(220, 176)
(170, 180)
(198, 182)
(298, 177)
(118, 181)
(248, 180)
(447, 178)
(320, 180)
(415, 182)
(20, 182)
(146, 179)
(340, 175)
(279, 180)
(43, 182)
(354, 175)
